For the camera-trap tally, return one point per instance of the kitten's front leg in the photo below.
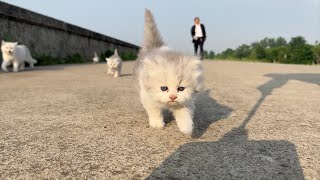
(155, 115)
(4, 66)
(31, 65)
(109, 71)
(184, 120)
(22, 66)
(116, 74)
(15, 66)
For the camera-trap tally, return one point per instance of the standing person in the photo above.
(198, 33)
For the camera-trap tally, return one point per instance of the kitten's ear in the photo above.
(107, 59)
(15, 43)
(3, 42)
(152, 37)
(116, 52)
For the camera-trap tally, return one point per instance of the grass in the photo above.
(50, 60)
(47, 59)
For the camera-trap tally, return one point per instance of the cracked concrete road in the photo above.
(254, 121)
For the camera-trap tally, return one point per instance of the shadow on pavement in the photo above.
(234, 156)
(124, 75)
(207, 112)
(37, 68)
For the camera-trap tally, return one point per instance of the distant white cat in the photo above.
(17, 55)
(167, 79)
(96, 58)
(114, 64)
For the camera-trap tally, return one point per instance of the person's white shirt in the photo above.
(198, 30)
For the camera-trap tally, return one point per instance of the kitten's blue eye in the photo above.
(164, 88)
(181, 88)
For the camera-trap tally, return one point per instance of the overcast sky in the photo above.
(229, 23)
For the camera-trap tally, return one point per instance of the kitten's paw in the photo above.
(158, 124)
(186, 127)
(186, 130)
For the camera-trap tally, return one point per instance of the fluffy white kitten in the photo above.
(96, 58)
(167, 79)
(17, 55)
(114, 64)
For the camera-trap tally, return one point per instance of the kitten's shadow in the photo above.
(207, 111)
(128, 74)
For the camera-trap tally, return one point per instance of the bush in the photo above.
(316, 52)
(128, 56)
(124, 55)
(74, 59)
(301, 55)
(47, 60)
(106, 54)
(243, 51)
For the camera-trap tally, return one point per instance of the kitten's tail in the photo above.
(116, 52)
(152, 37)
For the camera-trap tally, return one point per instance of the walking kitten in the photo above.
(168, 79)
(17, 55)
(114, 64)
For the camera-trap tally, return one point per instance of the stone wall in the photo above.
(45, 35)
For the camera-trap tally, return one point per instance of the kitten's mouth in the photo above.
(172, 102)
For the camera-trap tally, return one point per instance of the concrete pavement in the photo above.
(254, 120)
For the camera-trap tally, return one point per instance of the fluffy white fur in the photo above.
(114, 64)
(95, 58)
(167, 79)
(17, 55)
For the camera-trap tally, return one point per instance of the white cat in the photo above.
(17, 55)
(167, 79)
(114, 64)
(96, 58)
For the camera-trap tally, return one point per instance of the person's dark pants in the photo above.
(198, 43)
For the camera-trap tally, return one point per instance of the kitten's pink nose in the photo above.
(173, 97)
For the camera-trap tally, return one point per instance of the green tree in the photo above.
(205, 54)
(272, 54)
(297, 42)
(211, 54)
(255, 44)
(280, 41)
(228, 53)
(277, 54)
(300, 51)
(264, 42)
(208, 55)
(271, 43)
(260, 52)
(243, 51)
(283, 54)
(316, 52)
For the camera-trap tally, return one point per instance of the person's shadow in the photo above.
(234, 156)
(207, 111)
